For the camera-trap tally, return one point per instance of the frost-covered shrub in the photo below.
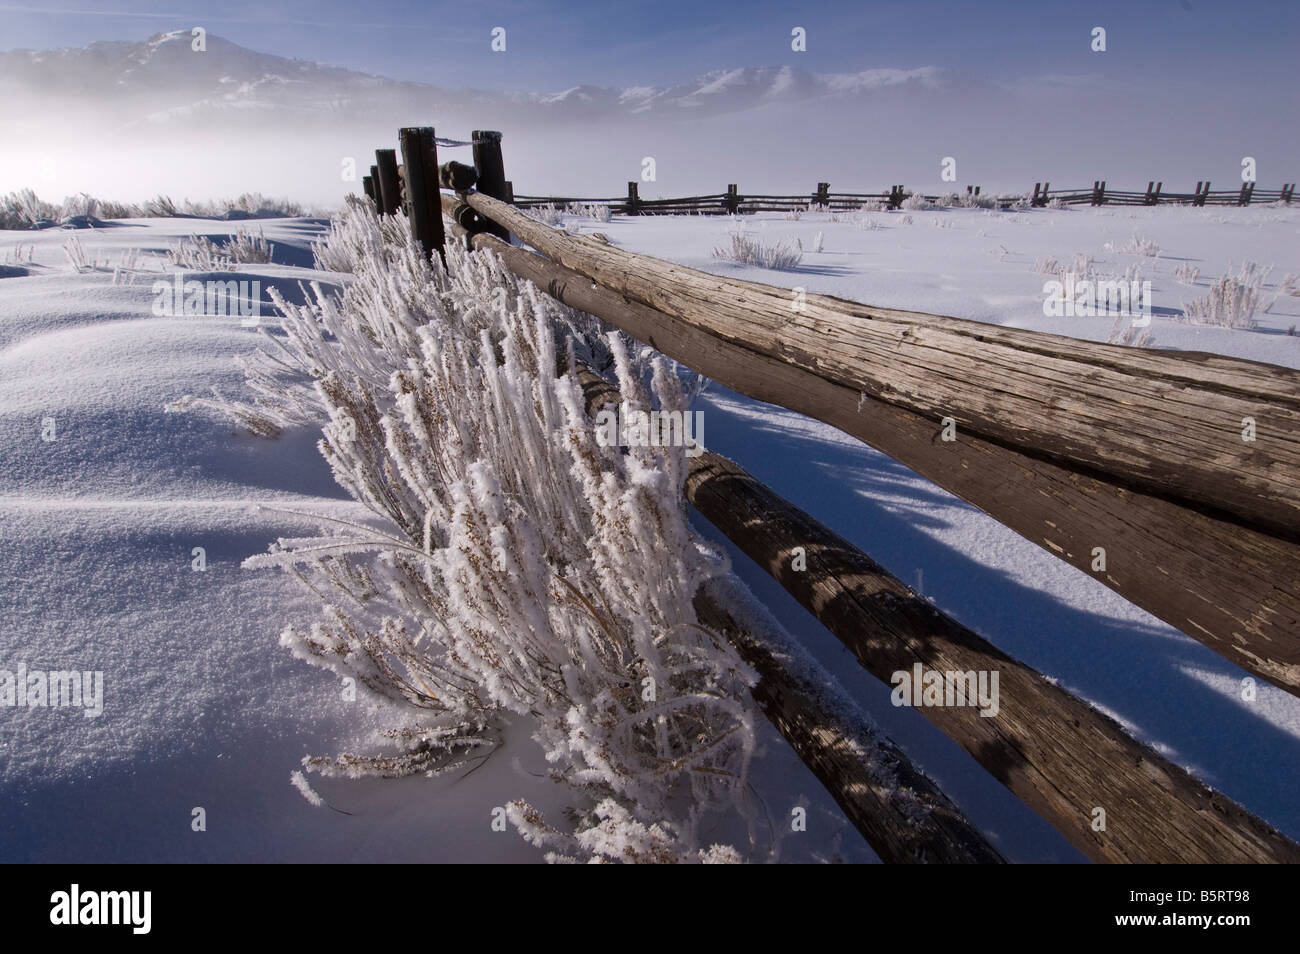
(515, 565)
(965, 200)
(1187, 273)
(1135, 246)
(917, 203)
(159, 207)
(746, 250)
(201, 253)
(76, 253)
(245, 249)
(1082, 267)
(551, 215)
(1232, 300)
(601, 213)
(1289, 285)
(379, 244)
(1125, 333)
(794, 215)
(19, 253)
(22, 210)
(80, 205)
(198, 253)
(250, 205)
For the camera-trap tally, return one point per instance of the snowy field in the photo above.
(202, 708)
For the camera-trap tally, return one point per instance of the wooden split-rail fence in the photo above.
(1130, 460)
(733, 202)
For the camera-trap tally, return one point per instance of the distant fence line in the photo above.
(734, 202)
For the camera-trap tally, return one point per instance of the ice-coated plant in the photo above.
(599, 212)
(1232, 300)
(1289, 285)
(1136, 245)
(1124, 332)
(747, 250)
(512, 564)
(22, 210)
(201, 253)
(551, 215)
(1082, 267)
(76, 253)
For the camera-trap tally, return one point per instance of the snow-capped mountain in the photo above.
(164, 80)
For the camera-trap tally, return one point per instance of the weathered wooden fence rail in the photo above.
(1127, 464)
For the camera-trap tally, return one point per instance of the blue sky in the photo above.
(1165, 44)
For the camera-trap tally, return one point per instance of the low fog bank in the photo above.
(1002, 140)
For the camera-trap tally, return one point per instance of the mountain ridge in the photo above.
(162, 79)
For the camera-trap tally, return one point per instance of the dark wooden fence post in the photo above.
(387, 187)
(491, 173)
(368, 186)
(1202, 192)
(732, 202)
(1288, 190)
(1247, 190)
(420, 157)
(823, 195)
(633, 199)
(510, 193)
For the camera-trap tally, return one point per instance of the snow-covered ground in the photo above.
(203, 709)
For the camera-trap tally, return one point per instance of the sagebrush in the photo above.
(514, 565)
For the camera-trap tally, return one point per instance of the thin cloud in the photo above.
(186, 16)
